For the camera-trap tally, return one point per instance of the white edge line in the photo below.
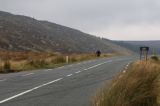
(30, 90)
(61, 67)
(124, 71)
(28, 74)
(48, 69)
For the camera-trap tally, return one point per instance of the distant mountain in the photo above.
(128, 45)
(28, 34)
(134, 45)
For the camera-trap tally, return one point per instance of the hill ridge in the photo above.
(24, 33)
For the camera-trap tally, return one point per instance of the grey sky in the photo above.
(113, 19)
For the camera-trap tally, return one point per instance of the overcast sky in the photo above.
(113, 19)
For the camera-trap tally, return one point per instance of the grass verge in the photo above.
(22, 61)
(138, 86)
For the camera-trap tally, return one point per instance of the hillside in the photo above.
(154, 44)
(21, 33)
(128, 45)
(134, 45)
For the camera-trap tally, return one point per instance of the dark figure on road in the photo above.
(98, 53)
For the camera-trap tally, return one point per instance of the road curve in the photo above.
(70, 85)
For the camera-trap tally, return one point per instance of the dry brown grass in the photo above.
(16, 56)
(19, 61)
(139, 86)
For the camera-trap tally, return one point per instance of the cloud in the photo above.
(114, 19)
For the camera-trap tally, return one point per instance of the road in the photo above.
(70, 85)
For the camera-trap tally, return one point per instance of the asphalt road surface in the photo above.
(70, 85)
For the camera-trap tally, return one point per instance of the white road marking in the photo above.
(48, 70)
(40, 86)
(96, 65)
(28, 74)
(3, 80)
(77, 72)
(124, 71)
(69, 75)
(28, 91)
(61, 67)
(127, 66)
(128, 63)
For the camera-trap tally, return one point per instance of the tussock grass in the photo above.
(155, 58)
(20, 61)
(139, 86)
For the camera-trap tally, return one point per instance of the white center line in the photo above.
(77, 72)
(28, 91)
(69, 75)
(48, 70)
(28, 74)
(96, 65)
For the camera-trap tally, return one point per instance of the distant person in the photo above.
(98, 53)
